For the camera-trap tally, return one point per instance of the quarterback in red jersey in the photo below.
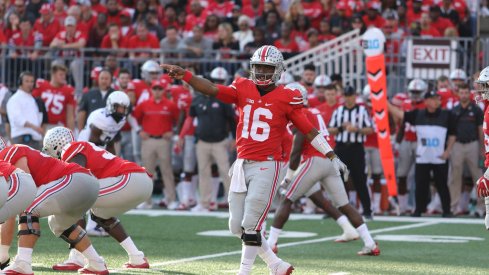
(58, 97)
(483, 96)
(123, 185)
(64, 193)
(302, 180)
(264, 111)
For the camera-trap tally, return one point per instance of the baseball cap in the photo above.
(431, 94)
(341, 6)
(158, 83)
(125, 12)
(45, 9)
(70, 21)
(349, 90)
(374, 5)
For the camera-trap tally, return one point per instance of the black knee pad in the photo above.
(106, 224)
(251, 239)
(72, 242)
(29, 219)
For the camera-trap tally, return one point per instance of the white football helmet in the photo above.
(417, 88)
(148, 68)
(115, 100)
(458, 74)
(301, 89)
(219, 74)
(55, 140)
(322, 80)
(267, 55)
(482, 83)
(285, 79)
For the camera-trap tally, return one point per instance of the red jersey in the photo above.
(223, 9)
(43, 168)
(441, 24)
(68, 40)
(151, 42)
(6, 169)
(251, 12)
(156, 118)
(410, 130)
(263, 119)
(291, 47)
(314, 11)
(100, 162)
(448, 99)
(107, 42)
(142, 91)
(56, 100)
(181, 96)
(49, 30)
(287, 143)
(377, 22)
(32, 39)
(317, 120)
(314, 101)
(192, 20)
(486, 135)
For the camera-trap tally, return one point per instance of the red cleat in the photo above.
(143, 265)
(67, 267)
(370, 251)
(88, 271)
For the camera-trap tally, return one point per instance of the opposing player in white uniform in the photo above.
(483, 96)
(265, 109)
(317, 168)
(102, 128)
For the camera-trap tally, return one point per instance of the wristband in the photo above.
(187, 76)
(320, 144)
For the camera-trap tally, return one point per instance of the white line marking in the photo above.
(225, 215)
(223, 254)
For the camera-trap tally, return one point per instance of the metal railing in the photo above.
(342, 55)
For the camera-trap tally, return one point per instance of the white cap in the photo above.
(70, 21)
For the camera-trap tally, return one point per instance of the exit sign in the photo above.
(430, 58)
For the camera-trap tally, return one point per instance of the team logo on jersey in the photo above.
(249, 100)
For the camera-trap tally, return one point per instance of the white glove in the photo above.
(341, 168)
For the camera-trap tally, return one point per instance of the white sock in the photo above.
(91, 254)
(130, 247)
(267, 255)
(365, 235)
(248, 256)
(4, 256)
(90, 223)
(25, 254)
(273, 235)
(376, 202)
(345, 224)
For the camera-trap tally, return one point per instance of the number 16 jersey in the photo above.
(263, 119)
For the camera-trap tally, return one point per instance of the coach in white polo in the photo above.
(25, 115)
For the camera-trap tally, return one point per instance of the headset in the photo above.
(20, 80)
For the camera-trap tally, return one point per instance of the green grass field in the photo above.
(173, 246)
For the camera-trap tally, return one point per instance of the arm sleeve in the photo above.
(227, 94)
(410, 117)
(42, 109)
(300, 121)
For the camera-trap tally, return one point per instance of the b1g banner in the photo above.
(373, 45)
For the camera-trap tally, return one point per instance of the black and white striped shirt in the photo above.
(358, 116)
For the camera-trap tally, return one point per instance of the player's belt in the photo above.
(466, 141)
(156, 137)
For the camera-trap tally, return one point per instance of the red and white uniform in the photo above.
(142, 90)
(123, 184)
(317, 120)
(68, 40)
(65, 190)
(56, 100)
(410, 130)
(485, 129)
(17, 188)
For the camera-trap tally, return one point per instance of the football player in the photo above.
(150, 71)
(123, 185)
(303, 181)
(482, 95)
(65, 191)
(264, 112)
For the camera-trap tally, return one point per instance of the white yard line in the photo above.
(225, 215)
(237, 252)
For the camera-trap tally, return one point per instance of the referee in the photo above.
(350, 124)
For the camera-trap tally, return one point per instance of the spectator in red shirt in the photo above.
(140, 12)
(324, 33)
(315, 11)
(285, 43)
(170, 18)
(312, 40)
(253, 9)
(113, 12)
(414, 12)
(12, 26)
(300, 28)
(438, 22)
(225, 43)
(427, 29)
(81, 26)
(221, 8)
(98, 32)
(126, 24)
(47, 25)
(142, 40)
(98, 7)
(27, 37)
(211, 26)
(70, 38)
(373, 18)
(197, 15)
(157, 116)
(60, 11)
(153, 24)
(114, 39)
(341, 20)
